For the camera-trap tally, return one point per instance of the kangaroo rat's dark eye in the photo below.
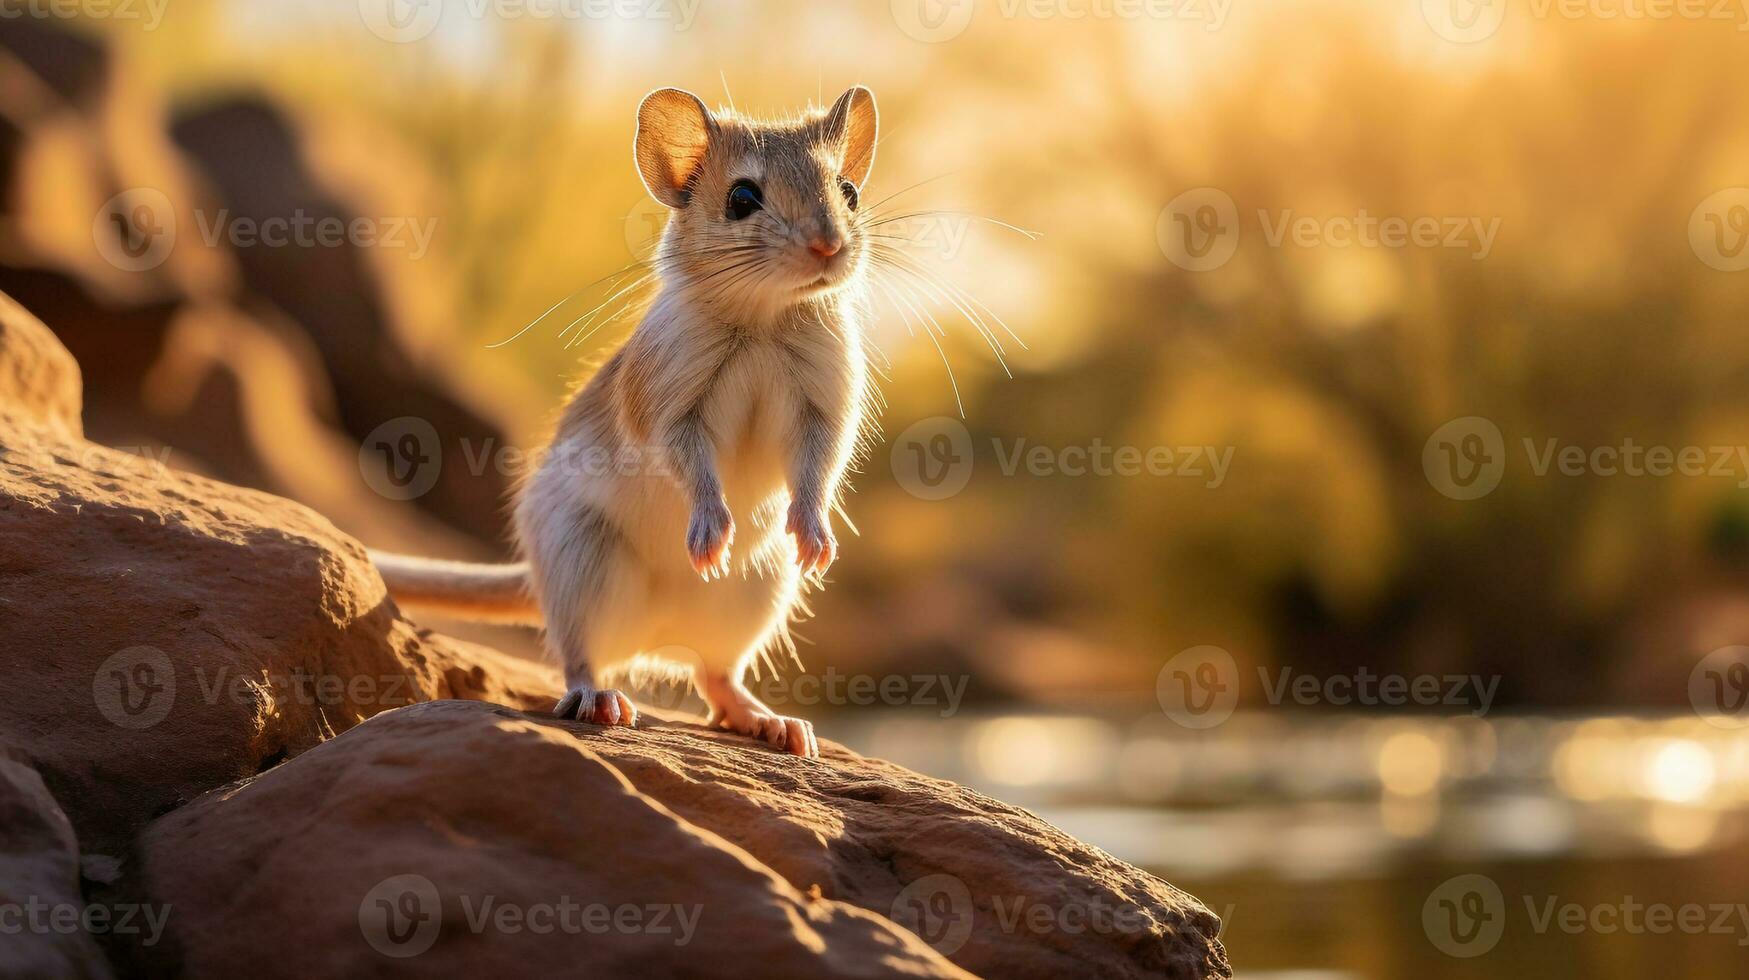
(849, 190)
(744, 199)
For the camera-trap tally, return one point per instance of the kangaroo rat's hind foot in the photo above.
(585, 703)
(735, 709)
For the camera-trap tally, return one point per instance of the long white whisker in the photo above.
(966, 295)
(633, 285)
(936, 288)
(924, 317)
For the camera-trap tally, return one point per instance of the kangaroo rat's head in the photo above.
(764, 213)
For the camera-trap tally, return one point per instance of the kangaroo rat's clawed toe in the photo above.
(609, 707)
(793, 735)
(735, 709)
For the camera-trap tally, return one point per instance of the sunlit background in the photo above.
(1585, 175)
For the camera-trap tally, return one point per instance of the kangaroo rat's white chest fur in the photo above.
(751, 399)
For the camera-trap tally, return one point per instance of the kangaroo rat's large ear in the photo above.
(674, 128)
(854, 122)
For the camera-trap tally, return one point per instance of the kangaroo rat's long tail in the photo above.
(463, 590)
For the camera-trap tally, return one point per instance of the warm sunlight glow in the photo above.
(1409, 764)
(1678, 771)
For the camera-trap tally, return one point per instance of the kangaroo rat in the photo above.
(732, 413)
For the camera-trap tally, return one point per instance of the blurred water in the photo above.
(1351, 846)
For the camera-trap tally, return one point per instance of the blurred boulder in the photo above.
(266, 366)
(252, 155)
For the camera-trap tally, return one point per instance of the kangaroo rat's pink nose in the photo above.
(825, 247)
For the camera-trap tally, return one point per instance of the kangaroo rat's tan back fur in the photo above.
(687, 496)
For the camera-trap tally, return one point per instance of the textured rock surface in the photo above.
(166, 634)
(39, 382)
(489, 806)
(246, 737)
(798, 866)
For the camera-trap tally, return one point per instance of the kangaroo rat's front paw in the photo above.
(815, 545)
(708, 536)
(608, 707)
